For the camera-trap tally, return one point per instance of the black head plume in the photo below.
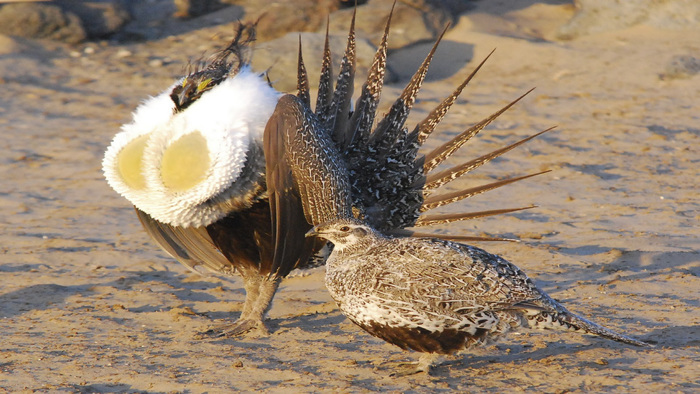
(220, 66)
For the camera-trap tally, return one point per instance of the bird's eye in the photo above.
(345, 229)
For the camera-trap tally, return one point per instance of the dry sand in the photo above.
(89, 304)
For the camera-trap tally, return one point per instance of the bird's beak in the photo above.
(312, 233)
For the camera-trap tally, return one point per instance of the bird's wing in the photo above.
(499, 284)
(460, 279)
(306, 181)
(191, 246)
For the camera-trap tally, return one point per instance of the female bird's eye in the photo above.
(345, 229)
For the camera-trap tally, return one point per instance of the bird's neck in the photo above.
(343, 252)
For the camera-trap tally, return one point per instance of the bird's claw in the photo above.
(408, 369)
(230, 330)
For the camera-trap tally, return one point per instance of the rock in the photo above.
(277, 18)
(413, 20)
(195, 8)
(594, 16)
(155, 19)
(34, 20)
(681, 67)
(70, 21)
(99, 18)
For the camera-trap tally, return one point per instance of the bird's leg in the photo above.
(259, 293)
(425, 361)
(252, 283)
(266, 291)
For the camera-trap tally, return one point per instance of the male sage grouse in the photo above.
(436, 296)
(228, 174)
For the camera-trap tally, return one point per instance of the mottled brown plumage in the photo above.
(436, 296)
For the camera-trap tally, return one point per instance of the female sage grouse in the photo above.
(228, 174)
(436, 296)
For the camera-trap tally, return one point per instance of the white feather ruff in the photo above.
(230, 116)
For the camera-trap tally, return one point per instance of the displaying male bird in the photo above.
(436, 296)
(228, 174)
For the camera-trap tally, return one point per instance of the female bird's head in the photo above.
(181, 155)
(343, 233)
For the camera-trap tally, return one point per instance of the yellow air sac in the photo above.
(185, 162)
(129, 163)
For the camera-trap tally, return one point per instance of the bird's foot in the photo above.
(408, 369)
(401, 369)
(237, 328)
(424, 363)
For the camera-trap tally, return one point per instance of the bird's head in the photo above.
(179, 158)
(342, 233)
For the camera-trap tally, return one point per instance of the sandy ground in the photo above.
(89, 304)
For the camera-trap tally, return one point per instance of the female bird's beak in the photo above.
(312, 233)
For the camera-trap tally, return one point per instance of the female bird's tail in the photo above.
(565, 320)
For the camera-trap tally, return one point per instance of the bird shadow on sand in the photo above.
(173, 284)
(669, 337)
(37, 297)
(675, 337)
(522, 355)
(322, 322)
(104, 388)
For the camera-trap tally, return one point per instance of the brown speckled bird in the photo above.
(228, 174)
(436, 296)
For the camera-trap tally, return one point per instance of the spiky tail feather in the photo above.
(572, 322)
(392, 183)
